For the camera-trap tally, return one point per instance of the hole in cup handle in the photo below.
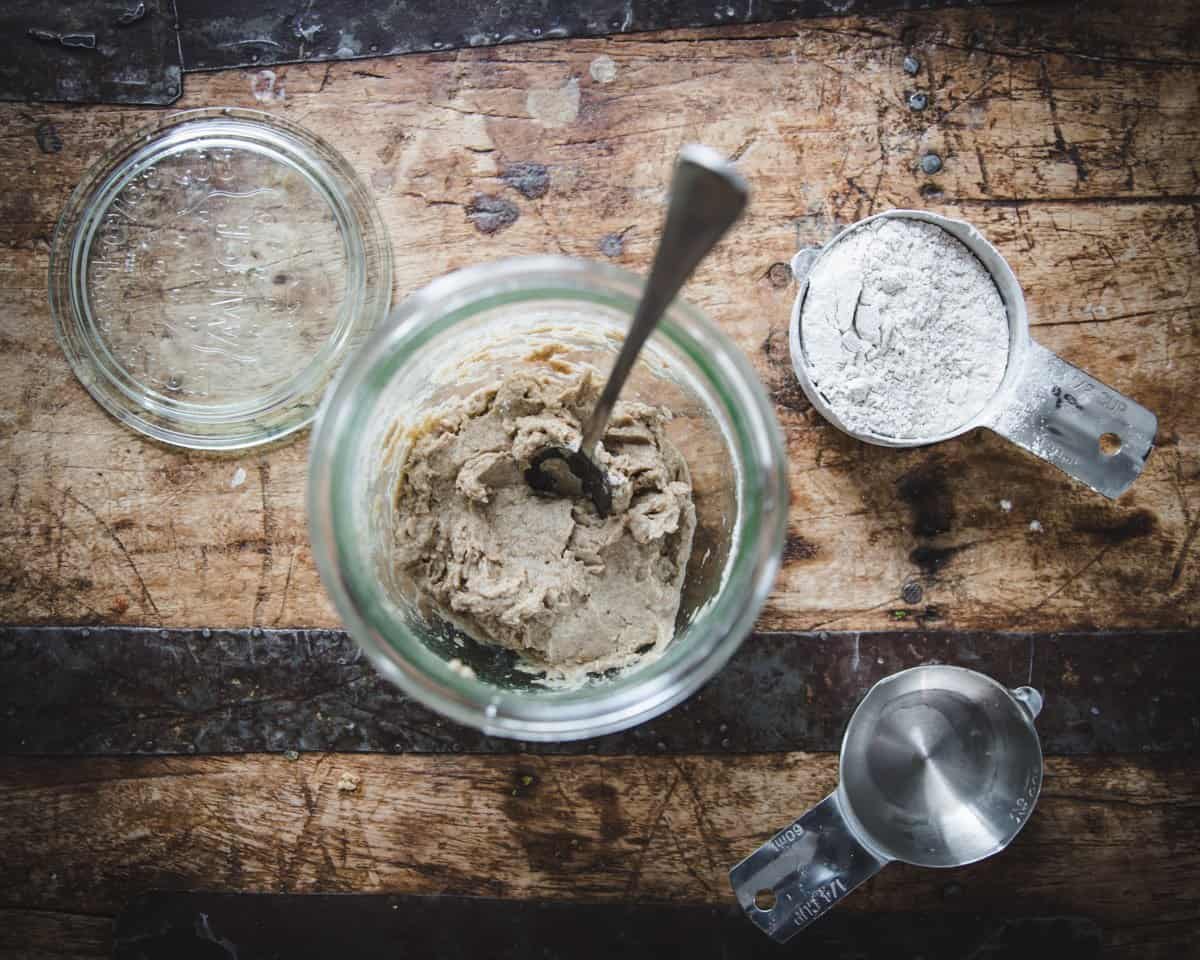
(1072, 420)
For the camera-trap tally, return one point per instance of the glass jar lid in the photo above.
(208, 276)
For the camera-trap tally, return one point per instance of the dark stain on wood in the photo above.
(779, 378)
(1112, 527)
(531, 180)
(491, 213)
(779, 275)
(926, 491)
(607, 800)
(611, 245)
(548, 847)
(549, 850)
(790, 395)
(930, 560)
(798, 548)
(48, 138)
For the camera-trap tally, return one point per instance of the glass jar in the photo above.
(468, 329)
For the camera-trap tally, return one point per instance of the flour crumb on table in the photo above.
(348, 783)
(1006, 505)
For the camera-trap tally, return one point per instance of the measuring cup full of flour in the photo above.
(910, 328)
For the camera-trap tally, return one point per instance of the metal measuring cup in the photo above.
(1044, 404)
(940, 766)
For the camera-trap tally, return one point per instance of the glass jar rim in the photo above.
(596, 709)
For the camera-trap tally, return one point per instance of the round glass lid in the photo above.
(209, 275)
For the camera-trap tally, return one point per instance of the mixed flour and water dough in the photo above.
(541, 575)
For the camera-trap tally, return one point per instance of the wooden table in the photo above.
(198, 753)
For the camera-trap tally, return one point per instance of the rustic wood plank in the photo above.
(120, 691)
(167, 926)
(1117, 841)
(215, 36)
(53, 935)
(1066, 138)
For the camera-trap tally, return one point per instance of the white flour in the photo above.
(904, 332)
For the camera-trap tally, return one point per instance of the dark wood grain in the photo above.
(187, 926)
(34, 934)
(1113, 839)
(114, 690)
(220, 33)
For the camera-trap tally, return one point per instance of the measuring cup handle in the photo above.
(1030, 699)
(802, 871)
(1087, 430)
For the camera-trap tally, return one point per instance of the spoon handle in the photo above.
(707, 197)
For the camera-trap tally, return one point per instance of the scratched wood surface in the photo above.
(117, 691)
(85, 838)
(1069, 139)
(1069, 134)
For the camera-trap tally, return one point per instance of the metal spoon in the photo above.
(707, 197)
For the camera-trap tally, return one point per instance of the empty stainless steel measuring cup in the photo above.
(940, 767)
(1044, 404)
